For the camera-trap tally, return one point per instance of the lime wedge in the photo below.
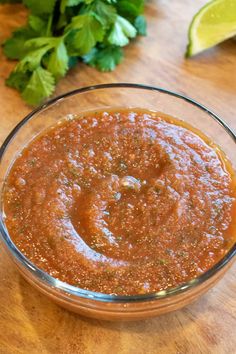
(215, 22)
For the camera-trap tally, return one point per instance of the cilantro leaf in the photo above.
(58, 61)
(18, 80)
(105, 59)
(106, 13)
(40, 85)
(38, 7)
(37, 24)
(89, 32)
(91, 57)
(36, 43)
(121, 32)
(68, 3)
(141, 25)
(130, 9)
(59, 33)
(33, 59)
(73, 61)
(13, 47)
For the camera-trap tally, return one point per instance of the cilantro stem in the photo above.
(58, 33)
(49, 25)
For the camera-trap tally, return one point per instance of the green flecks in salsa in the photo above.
(127, 202)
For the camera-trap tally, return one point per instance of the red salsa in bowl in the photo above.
(122, 202)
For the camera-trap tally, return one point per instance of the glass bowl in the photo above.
(88, 303)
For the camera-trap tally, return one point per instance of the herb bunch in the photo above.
(59, 33)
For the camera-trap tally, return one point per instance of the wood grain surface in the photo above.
(29, 322)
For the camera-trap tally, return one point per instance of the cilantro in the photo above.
(58, 61)
(37, 24)
(40, 85)
(14, 46)
(65, 3)
(33, 59)
(106, 13)
(73, 61)
(163, 261)
(105, 59)
(18, 80)
(60, 33)
(121, 32)
(141, 25)
(130, 9)
(40, 7)
(90, 32)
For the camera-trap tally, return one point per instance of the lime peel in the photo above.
(213, 23)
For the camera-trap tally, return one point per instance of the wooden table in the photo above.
(29, 322)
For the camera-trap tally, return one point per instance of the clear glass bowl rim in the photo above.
(91, 295)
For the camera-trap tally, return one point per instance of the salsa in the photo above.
(122, 202)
